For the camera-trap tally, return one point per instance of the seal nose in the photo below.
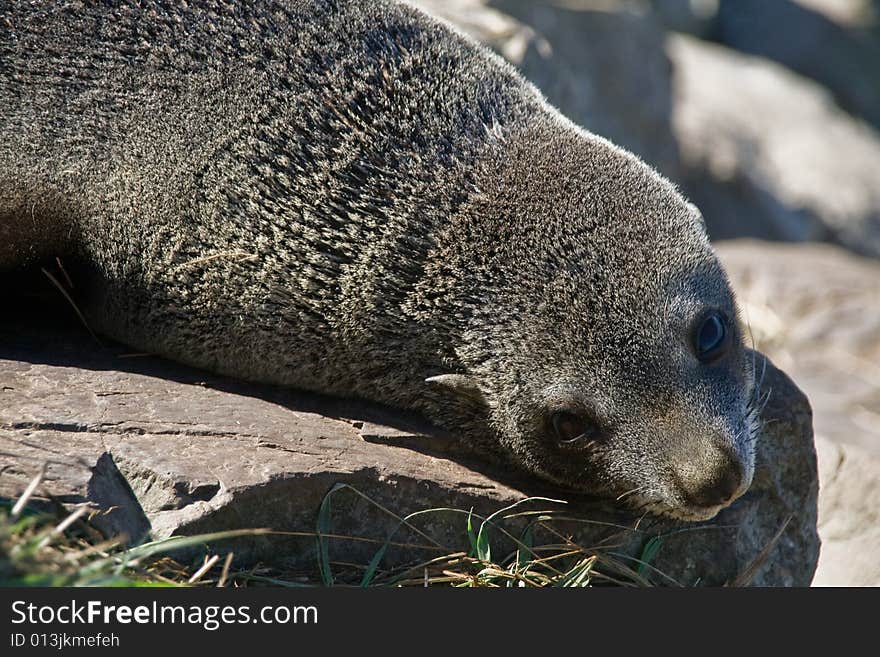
(717, 488)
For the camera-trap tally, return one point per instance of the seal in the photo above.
(353, 198)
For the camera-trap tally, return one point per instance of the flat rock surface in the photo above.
(769, 154)
(849, 515)
(815, 310)
(162, 450)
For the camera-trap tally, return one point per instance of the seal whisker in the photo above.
(762, 404)
(637, 489)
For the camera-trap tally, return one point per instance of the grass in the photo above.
(61, 548)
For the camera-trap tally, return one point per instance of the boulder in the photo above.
(815, 310)
(847, 13)
(159, 450)
(696, 17)
(832, 45)
(768, 154)
(849, 515)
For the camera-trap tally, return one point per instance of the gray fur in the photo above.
(351, 198)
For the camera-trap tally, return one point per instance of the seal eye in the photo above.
(569, 428)
(710, 341)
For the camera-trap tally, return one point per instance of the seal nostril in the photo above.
(718, 490)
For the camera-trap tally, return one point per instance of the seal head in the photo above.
(608, 354)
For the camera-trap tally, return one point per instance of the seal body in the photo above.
(355, 199)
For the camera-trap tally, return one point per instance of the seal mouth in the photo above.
(695, 514)
(685, 513)
(677, 507)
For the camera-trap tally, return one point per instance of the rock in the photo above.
(695, 17)
(768, 154)
(828, 45)
(164, 450)
(849, 515)
(847, 13)
(815, 310)
(485, 24)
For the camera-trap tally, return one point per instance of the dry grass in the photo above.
(61, 548)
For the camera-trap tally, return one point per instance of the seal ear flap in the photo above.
(459, 384)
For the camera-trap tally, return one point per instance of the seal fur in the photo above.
(355, 199)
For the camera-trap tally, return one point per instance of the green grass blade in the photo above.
(471, 534)
(324, 526)
(648, 553)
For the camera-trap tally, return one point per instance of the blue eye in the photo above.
(710, 341)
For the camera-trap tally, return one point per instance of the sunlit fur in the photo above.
(351, 197)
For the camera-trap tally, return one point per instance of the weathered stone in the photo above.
(848, 13)
(833, 48)
(849, 515)
(197, 453)
(696, 17)
(768, 154)
(815, 310)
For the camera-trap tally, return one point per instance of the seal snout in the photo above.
(717, 490)
(714, 486)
